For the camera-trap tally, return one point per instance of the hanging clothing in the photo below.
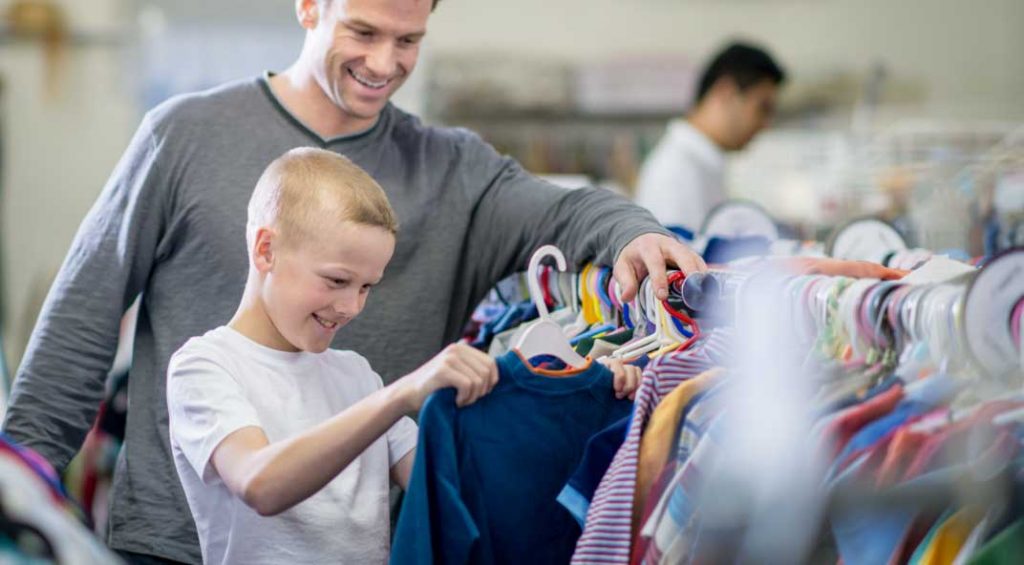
(683, 178)
(673, 529)
(606, 537)
(1004, 549)
(597, 456)
(656, 441)
(674, 488)
(947, 539)
(486, 476)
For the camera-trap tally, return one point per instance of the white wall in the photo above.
(967, 53)
(58, 152)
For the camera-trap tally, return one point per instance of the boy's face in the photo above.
(313, 288)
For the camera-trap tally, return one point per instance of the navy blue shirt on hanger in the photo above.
(486, 477)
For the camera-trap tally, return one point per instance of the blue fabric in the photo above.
(873, 532)
(884, 385)
(597, 456)
(870, 535)
(681, 232)
(640, 361)
(877, 430)
(513, 316)
(934, 390)
(591, 333)
(486, 477)
(722, 250)
(867, 534)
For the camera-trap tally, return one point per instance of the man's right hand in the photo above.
(472, 373)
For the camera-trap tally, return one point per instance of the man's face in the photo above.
(751, 111)
(316, 287)
(363, 50)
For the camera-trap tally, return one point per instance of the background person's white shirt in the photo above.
(683, 178)
(223, 381)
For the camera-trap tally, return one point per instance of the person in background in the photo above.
(170, 223)
(683, 177)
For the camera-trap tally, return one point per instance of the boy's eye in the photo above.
(337, 282)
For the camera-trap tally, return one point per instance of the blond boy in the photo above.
(285, 447)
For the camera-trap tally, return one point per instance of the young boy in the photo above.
(284, 447)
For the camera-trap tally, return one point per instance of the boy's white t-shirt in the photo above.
(222, 382)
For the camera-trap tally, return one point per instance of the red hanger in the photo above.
(679, 276)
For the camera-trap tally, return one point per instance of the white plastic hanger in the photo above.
(652, 309)
(1017, 415)
(545, 337)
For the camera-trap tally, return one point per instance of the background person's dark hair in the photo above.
(745, 63)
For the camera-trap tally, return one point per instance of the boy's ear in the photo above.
(263, 248)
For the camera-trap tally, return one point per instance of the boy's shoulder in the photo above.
(213, 348)
(213, 341)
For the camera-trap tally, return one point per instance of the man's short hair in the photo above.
(744, 63)
(308, 190)
(433, 5)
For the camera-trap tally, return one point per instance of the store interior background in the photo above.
(892, 107)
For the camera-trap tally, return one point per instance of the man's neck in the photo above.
(302, 96)
(702, 122)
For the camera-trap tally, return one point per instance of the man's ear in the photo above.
(308, 13)
(264, 247)
(726, 88)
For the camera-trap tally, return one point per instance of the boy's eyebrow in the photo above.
(335, 269)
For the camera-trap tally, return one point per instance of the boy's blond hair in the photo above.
(308, 190)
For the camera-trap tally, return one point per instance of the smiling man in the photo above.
(169, 222)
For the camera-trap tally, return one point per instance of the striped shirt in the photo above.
(607, 534)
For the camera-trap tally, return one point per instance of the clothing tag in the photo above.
(938, 269)
(990, 300)
(866, 240)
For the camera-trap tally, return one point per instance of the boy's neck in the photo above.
(252, 321)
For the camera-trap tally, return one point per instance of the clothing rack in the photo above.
(780, 341)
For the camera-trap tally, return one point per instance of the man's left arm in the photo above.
(518, 212)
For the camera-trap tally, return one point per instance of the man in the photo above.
(683, 178)
(169, 223)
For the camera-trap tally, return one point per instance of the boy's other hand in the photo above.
(627, 377)
(472, 373)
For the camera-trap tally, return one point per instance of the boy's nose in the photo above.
(347, 306)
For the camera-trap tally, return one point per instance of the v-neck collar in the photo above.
(264, 82)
